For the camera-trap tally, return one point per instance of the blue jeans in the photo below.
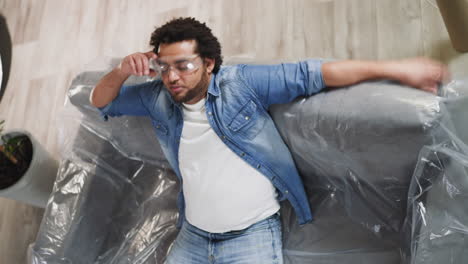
(257, 244)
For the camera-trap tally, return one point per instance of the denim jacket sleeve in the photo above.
(282, 83)
(130, 101)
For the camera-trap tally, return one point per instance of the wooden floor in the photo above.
(53, 40)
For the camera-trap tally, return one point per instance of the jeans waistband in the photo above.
(266, 223)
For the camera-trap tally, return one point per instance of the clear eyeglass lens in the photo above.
(163, 68)
(181, 67)
(185, 67)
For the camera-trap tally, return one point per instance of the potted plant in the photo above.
(27, 171)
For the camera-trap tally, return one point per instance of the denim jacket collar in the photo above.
(212, 88)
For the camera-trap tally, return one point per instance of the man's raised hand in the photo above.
(138, 64)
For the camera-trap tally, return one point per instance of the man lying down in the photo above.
(213, 125)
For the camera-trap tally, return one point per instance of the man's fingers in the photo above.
(431, 88)
(146, 69)
(145, 61)
(132, 65)
(440, 71)
(150, 55)
(139, 65)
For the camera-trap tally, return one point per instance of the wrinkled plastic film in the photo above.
(437, 216)
(357, 164)
(378, 161)
(111, 195)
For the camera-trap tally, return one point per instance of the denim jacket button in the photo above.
(242, 154)
(259, 166)
(247, 117)
(209, 113)
(286, 192)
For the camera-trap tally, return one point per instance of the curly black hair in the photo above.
(180, 29)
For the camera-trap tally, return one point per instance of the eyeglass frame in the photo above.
(155, 65)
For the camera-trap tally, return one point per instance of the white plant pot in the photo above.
(35, 186)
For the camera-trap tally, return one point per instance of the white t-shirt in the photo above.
(222, 192)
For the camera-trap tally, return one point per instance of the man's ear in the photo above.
(210, 63)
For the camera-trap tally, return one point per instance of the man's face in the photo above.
(184, 73)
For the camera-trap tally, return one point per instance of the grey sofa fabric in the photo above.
(356, 149)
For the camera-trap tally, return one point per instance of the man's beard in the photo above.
(199, 90)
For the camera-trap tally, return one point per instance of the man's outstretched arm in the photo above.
(421, 73)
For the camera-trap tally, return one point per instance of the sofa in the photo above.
(385, 168)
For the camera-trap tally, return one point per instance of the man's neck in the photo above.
(197, 99)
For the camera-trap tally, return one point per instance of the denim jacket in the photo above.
(237, 106)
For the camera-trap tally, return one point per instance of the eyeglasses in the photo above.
(181, 66)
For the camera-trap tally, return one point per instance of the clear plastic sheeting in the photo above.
(359, 149)
(385, 168)
(437, 218)
(439, 226)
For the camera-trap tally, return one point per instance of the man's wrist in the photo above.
(390, 70)
(117, 71)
